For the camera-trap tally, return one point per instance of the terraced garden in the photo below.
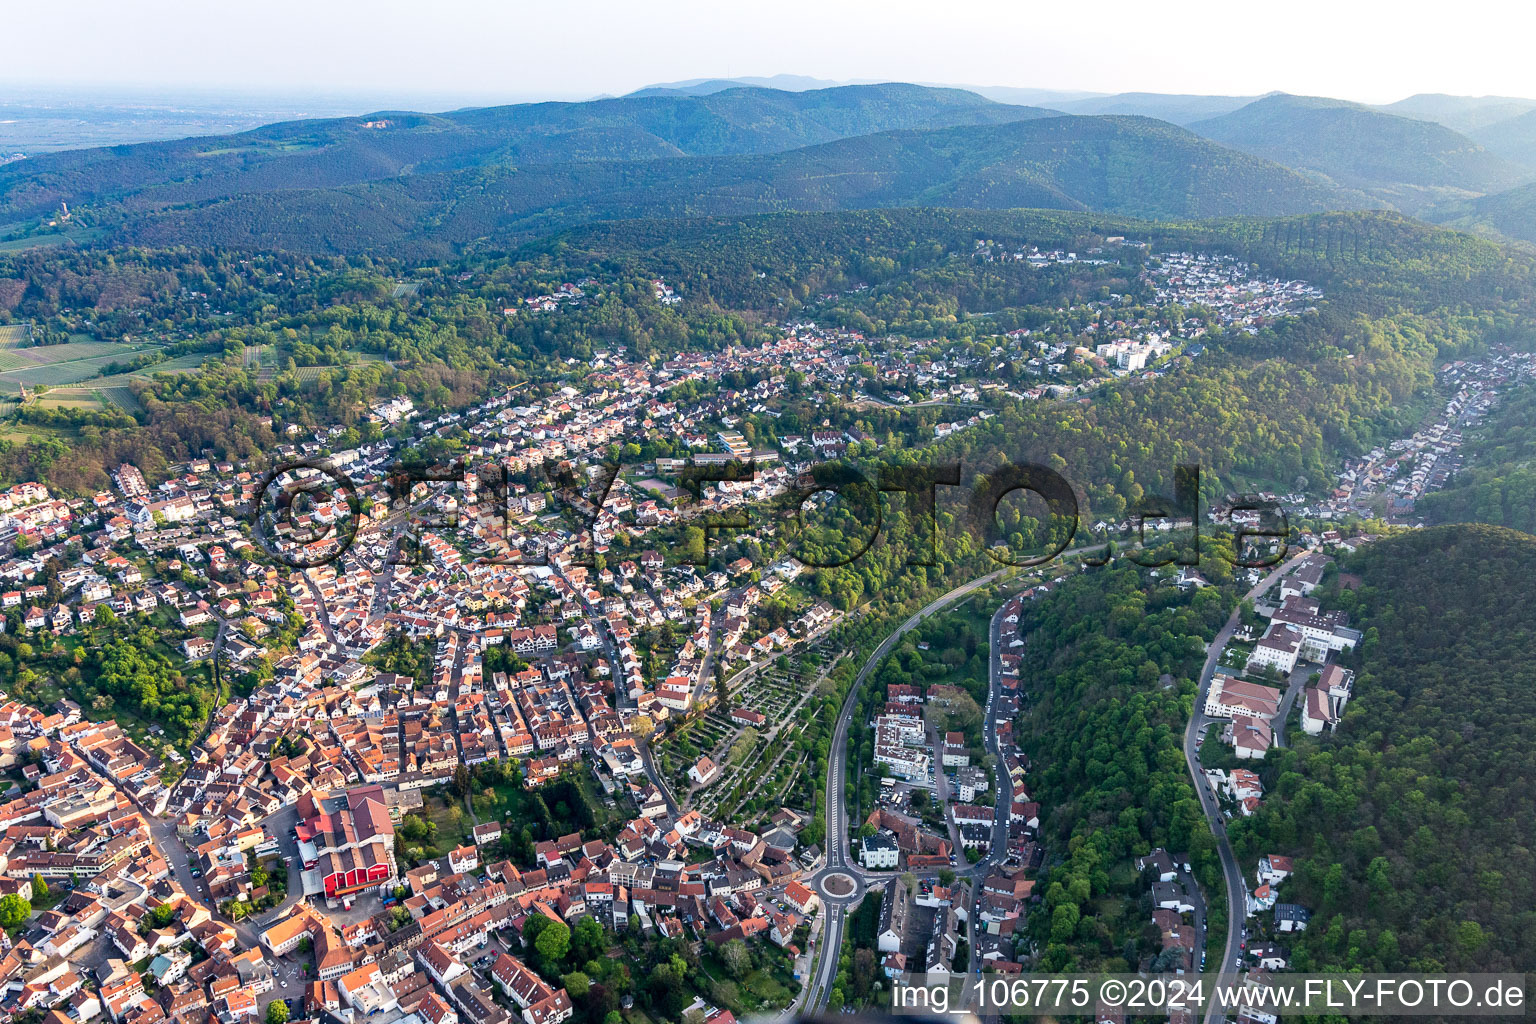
(759, 765)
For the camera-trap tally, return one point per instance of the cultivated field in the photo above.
(72, 371)
(73, 362)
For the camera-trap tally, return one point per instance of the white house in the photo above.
(704, 772)
(1274, 869)
(1230, 697)
(1317, 711)
(879, 851)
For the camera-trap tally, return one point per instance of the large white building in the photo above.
(1321, 632)
(1230, 697)
(879, 851)
(1323, 704)
(1279, 648)
(897, 746)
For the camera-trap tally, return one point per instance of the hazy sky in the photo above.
(485, 51)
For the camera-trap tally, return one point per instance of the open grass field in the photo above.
(84, 348)
(83, 399)
(79, 236)
(181, 364)
(310, 374)
(109, 390)
(12, 335)
(54, 374)
(72, 399)
(25, 432)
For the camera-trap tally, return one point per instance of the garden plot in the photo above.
(760, 763)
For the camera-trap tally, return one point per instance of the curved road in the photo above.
(1198, 722)
(824, 971)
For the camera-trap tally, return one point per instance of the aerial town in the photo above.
(407, 663)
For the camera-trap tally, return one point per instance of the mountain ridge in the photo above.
(1408, 162)
(1133, 166)
(383, 144)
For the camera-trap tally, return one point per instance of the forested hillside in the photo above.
(1368, 262)
(1513, 137)
(1467, 114)
(1511, 213)
(1134, 166)
(326, 153)
(1405, 161)
(1413, 825)
(1111, 662)
(1267, 407)
(1272, 407)
(1170, 107)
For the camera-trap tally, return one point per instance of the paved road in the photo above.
(1237, 892)
(838, 857)
(1003, 791)
(1293, 689)
(1002, 785)
(325, 611)
(941, 785)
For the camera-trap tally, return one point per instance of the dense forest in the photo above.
(1133, 166)
(1412, 824)
(1110, 665)
(1403, 160)
(437, 185)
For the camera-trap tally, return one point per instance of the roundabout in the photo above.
(838, 885)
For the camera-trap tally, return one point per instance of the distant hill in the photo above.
(343, 151)
(1511, 213)
(1465, 114)
(1513, 138)
(1134, 166)
(1013, 95)
(1177, 109)
(1052, 98)
(705, 86)
(1407, 162)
